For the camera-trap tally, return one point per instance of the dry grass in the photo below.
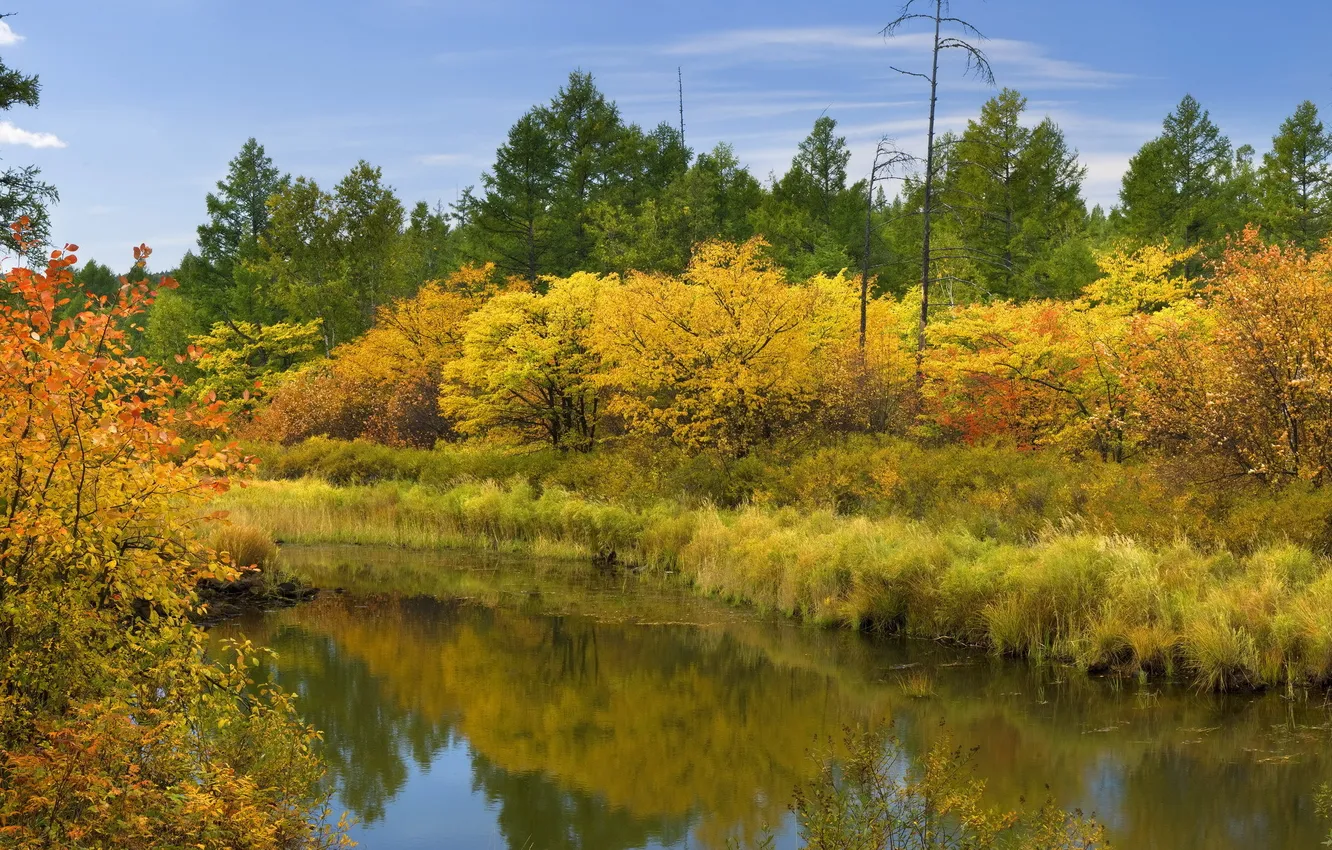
(1224, 620)
(246, 546)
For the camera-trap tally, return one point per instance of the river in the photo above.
(481, 703)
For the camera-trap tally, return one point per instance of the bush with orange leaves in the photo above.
(385, 385)
(1246, 377)
(114, 729)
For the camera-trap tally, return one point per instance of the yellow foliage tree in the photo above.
(1143, 280)
(1040, 373)
(114, 729)
(385, 384)
(237, 359)
(1055, 373)
(728, 354)
(528, 371)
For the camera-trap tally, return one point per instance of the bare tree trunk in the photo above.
(929, 198)
(865, 260)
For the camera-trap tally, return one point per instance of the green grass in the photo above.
(1220, 619)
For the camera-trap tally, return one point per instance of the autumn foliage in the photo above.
(114, 730)
(1227, 372)
(385, 385)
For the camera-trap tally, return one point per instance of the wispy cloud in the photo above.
(11, 135)
(8, 38)
(1105, 172)
(450, 159)
(1022, 62)
(731, 42)
(1030, 63)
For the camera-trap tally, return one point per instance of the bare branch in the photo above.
(925, 77)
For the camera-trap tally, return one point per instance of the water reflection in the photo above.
(528, 706)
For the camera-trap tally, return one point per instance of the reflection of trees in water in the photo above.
(368, 737)
(597, 733)
(647, 729)
(536, 812)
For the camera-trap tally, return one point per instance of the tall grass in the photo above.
(245, 546)
(991, 492)
(1221, 619)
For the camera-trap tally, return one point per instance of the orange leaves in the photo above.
(1247, 377)
(384, 385)
(99, 557)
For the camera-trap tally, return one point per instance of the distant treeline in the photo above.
(576, 188)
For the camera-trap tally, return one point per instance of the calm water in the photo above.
(515, 705)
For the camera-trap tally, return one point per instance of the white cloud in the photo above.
(1105, 172)
(750, 40)
(1018, 62)
(447, 159)
(8, 38)
(11, 135)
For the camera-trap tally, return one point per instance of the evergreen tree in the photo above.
(22, 191)
(645, 164)
(1243, 201)
(1175, 186)
(1295, 181)
(368, 219)
(811, 218)
(300, 260)
(1014, 193)
(820, 162)
(711, 200)
(512, 218)
(427, 246)
(216, 279)
(587, 134)
(333, 256)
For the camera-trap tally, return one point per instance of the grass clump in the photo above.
(246, 546)
(915, 556)
(916, 684)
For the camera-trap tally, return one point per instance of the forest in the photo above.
(941, 399)
(605, 283)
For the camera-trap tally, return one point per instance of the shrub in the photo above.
(114, 730)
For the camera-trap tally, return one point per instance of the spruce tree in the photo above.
(1175, 186)
(1295, 180)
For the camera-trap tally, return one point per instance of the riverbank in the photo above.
(1215, 618)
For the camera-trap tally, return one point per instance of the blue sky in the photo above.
(145, 101)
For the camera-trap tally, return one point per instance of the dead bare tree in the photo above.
(888, 158)
(976, 65)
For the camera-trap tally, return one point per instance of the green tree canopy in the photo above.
(216, 279)
(22, 191)
(1176, 184)
(1014, 194)
(1295, 181)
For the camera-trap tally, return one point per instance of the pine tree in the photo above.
(1175, 186)
(1295, 180)
(587, 134)
(22, 191)
(821, 161)
(810, 217)
(512, 218)
(216, 279)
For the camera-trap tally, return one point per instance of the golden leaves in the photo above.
(102, 673)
